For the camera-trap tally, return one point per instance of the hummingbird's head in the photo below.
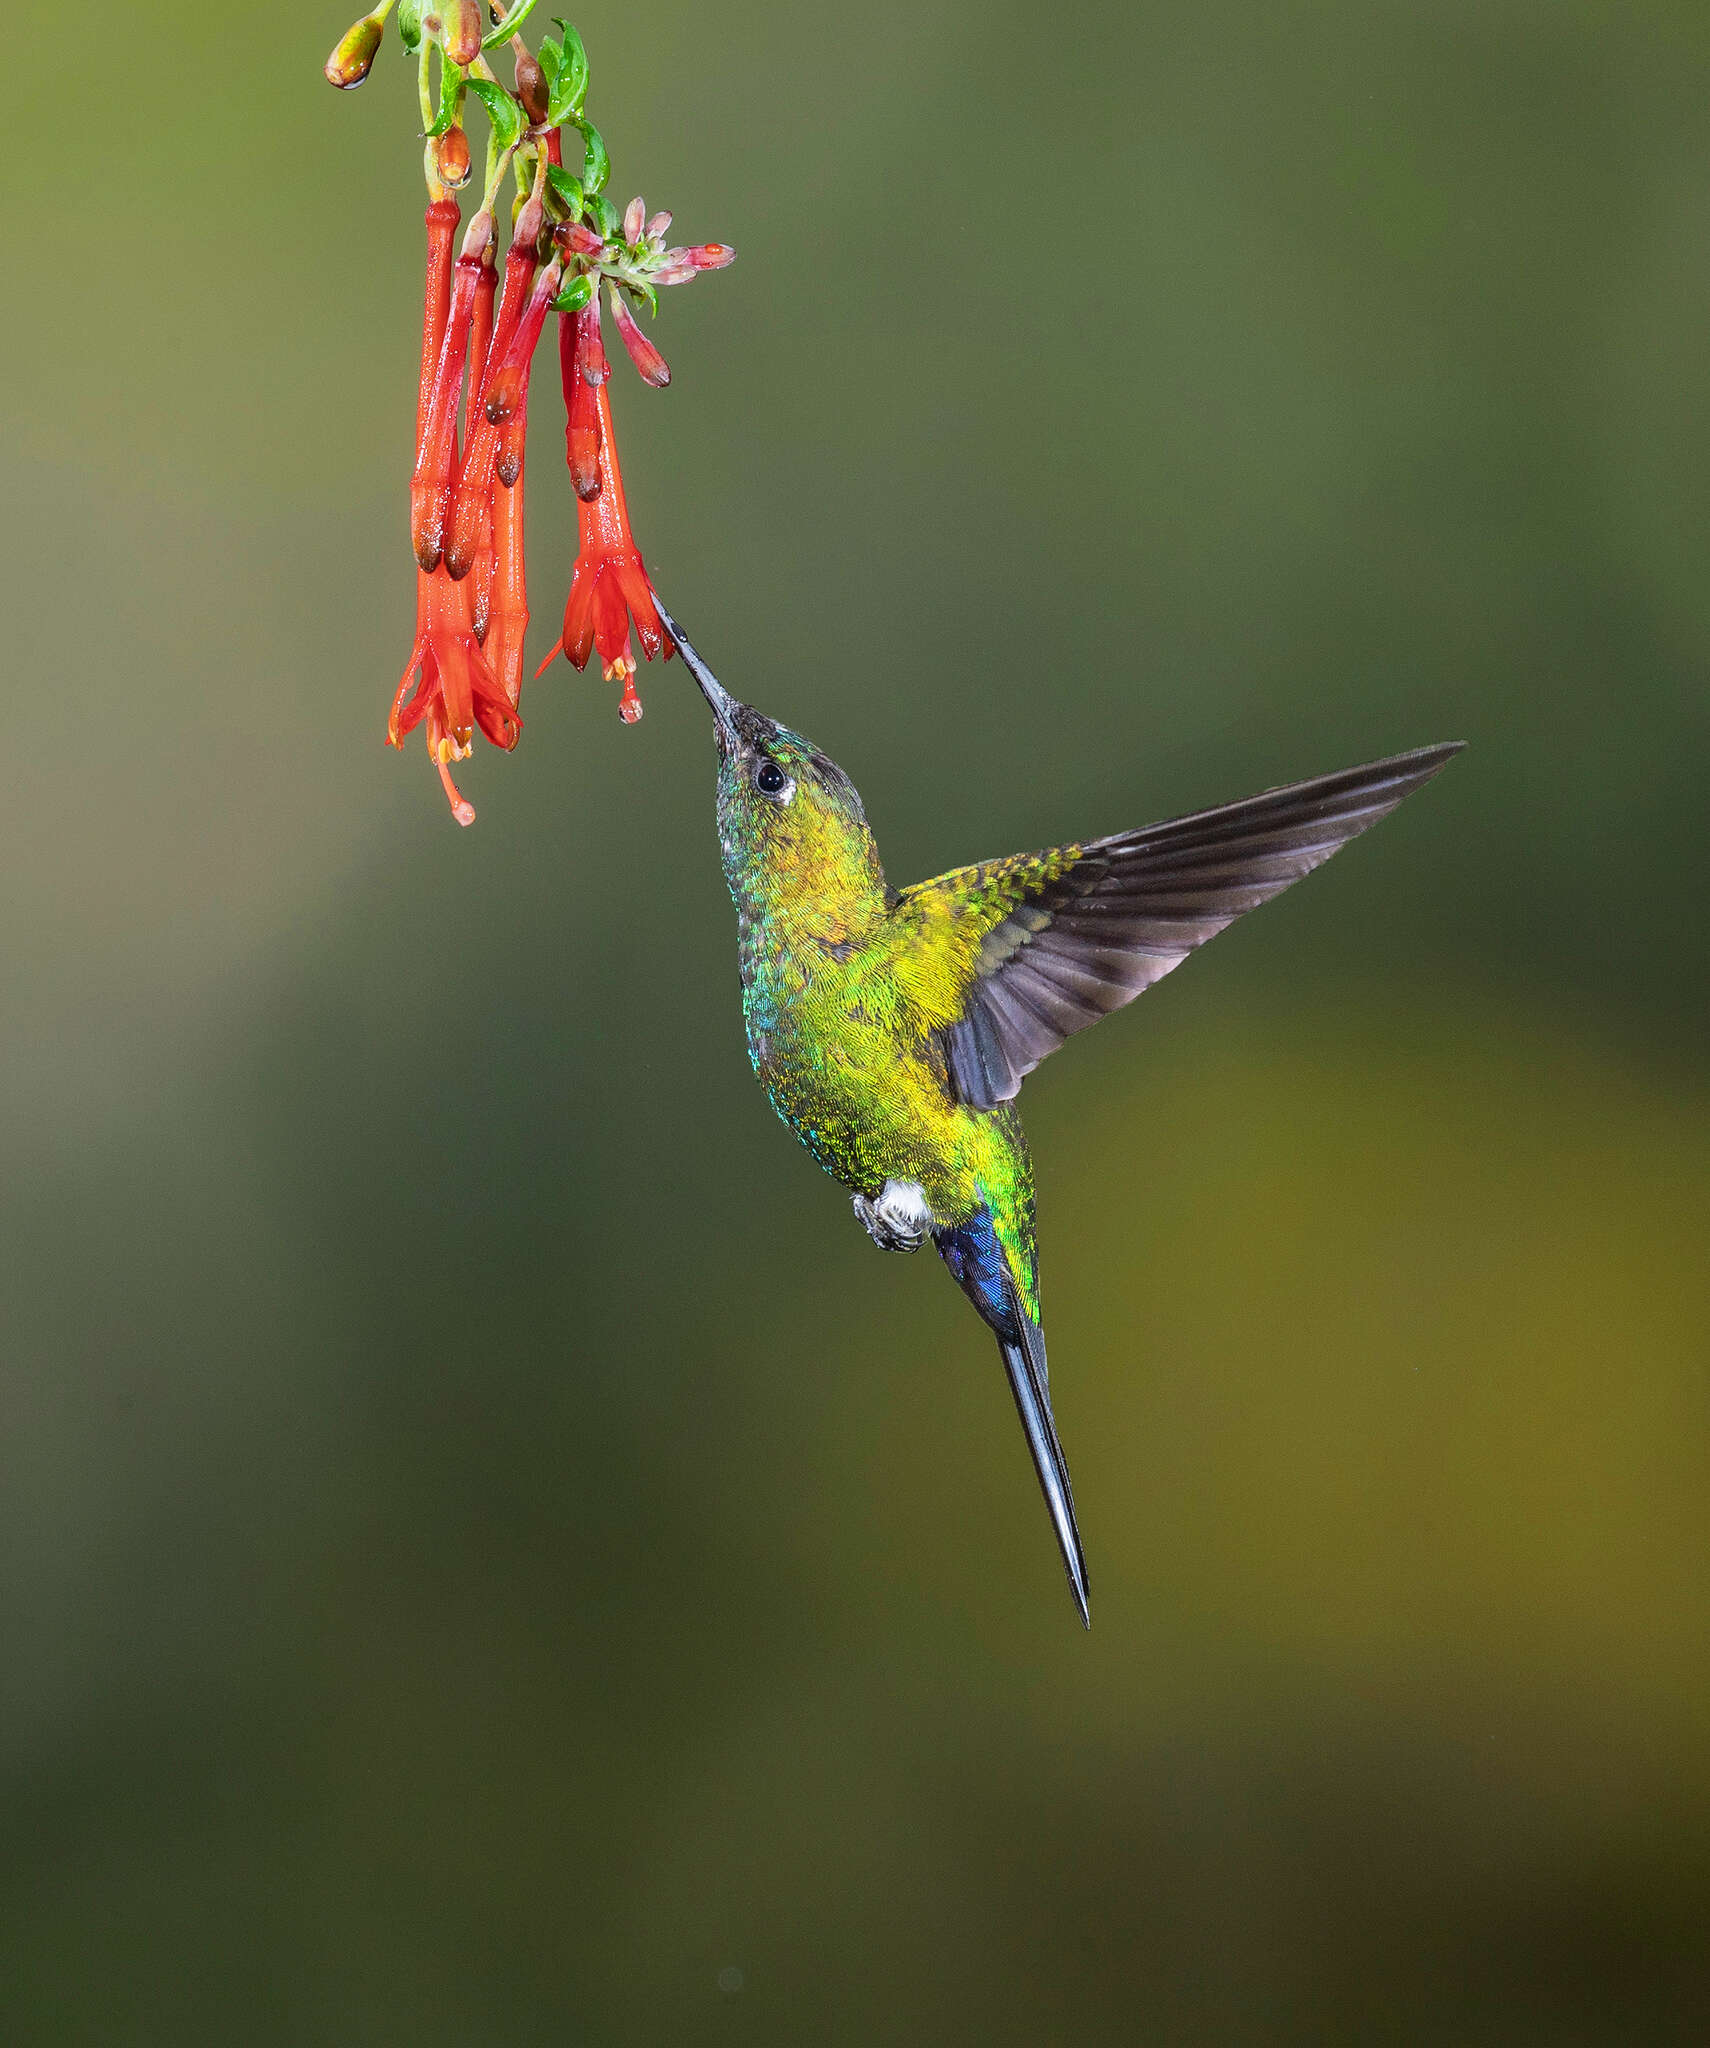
(789, 819)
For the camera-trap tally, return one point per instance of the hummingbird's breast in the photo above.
(827, 1042)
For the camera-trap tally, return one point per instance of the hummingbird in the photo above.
(892, 1028)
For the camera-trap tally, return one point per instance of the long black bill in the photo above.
(722, 702)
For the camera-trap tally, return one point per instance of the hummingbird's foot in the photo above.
(898, 1218)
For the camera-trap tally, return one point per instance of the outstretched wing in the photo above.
(1009, 958)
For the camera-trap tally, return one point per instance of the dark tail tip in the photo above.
(1027, 1383)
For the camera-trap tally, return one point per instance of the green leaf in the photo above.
(507, 28)
(507, 117)
(569, 189)
(645, 291)
(603, 217)
(410, 24)
(450, 98)
(575, 294)
(570, 87)
(547, 57)
(598, 167)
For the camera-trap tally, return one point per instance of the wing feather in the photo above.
(1043, 945)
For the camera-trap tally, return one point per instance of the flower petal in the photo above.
(638, 595)
(611, 614)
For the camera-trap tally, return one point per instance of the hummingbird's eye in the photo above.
(769, 778)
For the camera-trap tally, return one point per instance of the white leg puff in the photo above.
(898, 1218)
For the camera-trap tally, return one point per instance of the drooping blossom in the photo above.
(569, 245)
(455, 690)
(609, 587)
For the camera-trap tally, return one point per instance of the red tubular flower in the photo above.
(506, 405)
(610, 584)
(480, 336)
(581, 412)
(481, 326)
(442, 219)
(455, 689)
(507, 388)
(484, 442)
(436, 449)
(508, 619)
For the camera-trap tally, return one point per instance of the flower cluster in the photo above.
(479, 335)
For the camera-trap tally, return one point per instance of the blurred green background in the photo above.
(487, 1553)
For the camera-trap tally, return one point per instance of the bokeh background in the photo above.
(487, 1552)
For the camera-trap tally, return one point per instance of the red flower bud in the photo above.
(634, 219)
(646, 358)
(451, 157)
(532, 88)
(580, 240)
(712, 256)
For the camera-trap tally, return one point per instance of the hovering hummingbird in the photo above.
(892, 1028)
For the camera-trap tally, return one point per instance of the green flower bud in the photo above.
(463, 30)
(349, 63)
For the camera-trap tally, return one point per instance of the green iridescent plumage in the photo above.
(892, 1029)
